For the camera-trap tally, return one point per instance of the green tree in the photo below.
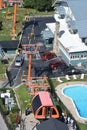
(29, 3)
(43, 5)
(40, 5)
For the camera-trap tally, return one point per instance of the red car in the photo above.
(48, 55)
(55, 64)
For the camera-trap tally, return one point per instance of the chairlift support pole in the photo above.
(15, 2)
(34, 87)
(14, 21)
(0, 4)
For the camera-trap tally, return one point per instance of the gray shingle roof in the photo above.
(79, 9)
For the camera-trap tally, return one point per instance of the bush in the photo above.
(15, 109)
(3, 108)
(13, 117)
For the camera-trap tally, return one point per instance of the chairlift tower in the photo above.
(31, 81)
(0, 4)
(15, 2)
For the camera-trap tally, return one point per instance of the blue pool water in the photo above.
(78, 93)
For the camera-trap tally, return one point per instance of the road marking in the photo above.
(18, 73)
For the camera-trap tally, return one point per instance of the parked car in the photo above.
(19, 60)
(54, 64)
(48, 55)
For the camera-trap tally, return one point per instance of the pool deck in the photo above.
(68, 102)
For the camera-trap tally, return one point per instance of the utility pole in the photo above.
(56, 36)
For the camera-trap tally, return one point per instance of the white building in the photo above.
(72, 16)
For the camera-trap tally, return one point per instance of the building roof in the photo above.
(52, 124)
(82, 28)
(47, 34)
(79, 9)
(9, 44)
(71, 42)
(3, 95)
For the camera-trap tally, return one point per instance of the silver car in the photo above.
(19, 61)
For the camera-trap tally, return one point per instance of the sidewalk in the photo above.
(2, 124)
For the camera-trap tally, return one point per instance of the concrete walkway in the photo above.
(68, 102)
(28, 123)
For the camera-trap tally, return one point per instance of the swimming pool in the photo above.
(78, 93)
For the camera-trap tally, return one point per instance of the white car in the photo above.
(19, 61)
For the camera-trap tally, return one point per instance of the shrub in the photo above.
(15, 109)
(3, 108)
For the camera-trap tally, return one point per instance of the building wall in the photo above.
(78, 58)
(11, 51)
(64, 53)
(75, 58)
(64, 57)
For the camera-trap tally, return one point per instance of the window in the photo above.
(71, 57)
(81, 56)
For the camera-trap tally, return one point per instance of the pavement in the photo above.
(28, 123)
(2, 124)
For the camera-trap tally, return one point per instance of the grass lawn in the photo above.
(23, 97)
(82, 126)
(6, 16)
(2, 71)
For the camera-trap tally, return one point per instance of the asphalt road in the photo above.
(39, 67)
(39, 24)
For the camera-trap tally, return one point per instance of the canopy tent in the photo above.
(52, 124)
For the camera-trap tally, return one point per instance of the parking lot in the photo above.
(40, 67)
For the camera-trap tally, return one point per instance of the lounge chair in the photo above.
(74, 77)
(59, 80)
(67, 77)
(82, 76)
